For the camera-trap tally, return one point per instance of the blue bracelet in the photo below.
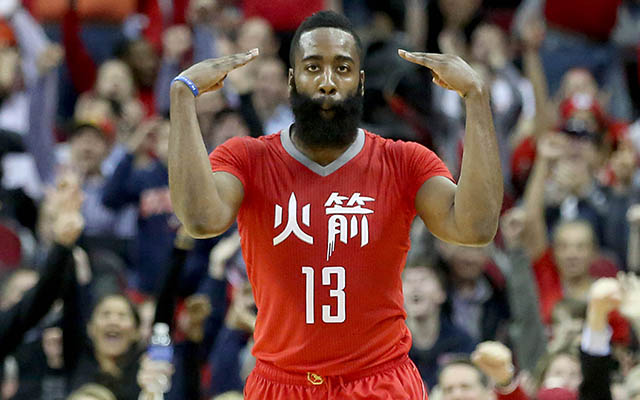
(192, 86)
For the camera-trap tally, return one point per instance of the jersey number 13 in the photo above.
(327, 316)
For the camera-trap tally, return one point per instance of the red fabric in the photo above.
(153, 31)
(583, 102)
(398, 380)
(522, 160)
(381, 182)
(180, 11)
(148, 100)
(550, 292)
(517, 394)
(11, 249)
(284, 15)
(557, 394)
(112, 11)
(82, 69)
(594, 18)
(136, 296)
(7, 38)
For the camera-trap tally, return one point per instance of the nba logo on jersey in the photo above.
(340, 226)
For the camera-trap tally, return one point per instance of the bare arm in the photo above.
(206, 203)
(416, 23)
(549, 147)
(533, 34)
(466, 213)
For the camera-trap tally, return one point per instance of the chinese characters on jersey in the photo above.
(347, 219)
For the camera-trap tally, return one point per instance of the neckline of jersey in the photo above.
(326, 170)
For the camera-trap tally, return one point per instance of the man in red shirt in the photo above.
(324, 211)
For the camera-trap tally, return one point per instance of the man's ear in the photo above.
(362, 82)
(291, 81)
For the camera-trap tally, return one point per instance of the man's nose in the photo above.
(327, 85)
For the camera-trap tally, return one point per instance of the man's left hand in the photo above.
(449, 71)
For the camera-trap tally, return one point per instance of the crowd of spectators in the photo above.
(92, 255)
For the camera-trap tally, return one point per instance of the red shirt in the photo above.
(283, 15)
(325, 247)
(550, 292)
(594, 18)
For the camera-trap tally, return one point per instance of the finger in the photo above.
(238, 60)
(425, 59)
(441, 83)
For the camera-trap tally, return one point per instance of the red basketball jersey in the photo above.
(325, 247)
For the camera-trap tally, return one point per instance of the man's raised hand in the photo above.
(208, 75)
(449, 71)
(495, 360)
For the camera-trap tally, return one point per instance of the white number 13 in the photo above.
(338, 293)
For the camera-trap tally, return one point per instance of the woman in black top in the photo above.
(110, 355)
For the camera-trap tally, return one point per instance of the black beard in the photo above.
(314, 130)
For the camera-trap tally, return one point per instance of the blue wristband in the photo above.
(192, 86)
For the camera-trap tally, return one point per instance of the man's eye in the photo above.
(343, 68)
(312, 68)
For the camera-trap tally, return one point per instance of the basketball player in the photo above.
(324, 211)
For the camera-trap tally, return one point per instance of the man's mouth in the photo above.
(327, 113)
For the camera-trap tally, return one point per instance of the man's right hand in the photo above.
(208, 75)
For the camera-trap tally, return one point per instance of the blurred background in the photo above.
(84, 105)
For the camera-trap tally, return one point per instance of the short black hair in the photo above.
(323, 19)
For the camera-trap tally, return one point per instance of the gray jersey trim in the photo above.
(352, 151)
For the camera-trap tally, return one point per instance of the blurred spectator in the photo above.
(465, 380)
(476, 296)
(435, 338)
(579, 35)
(264, 105)
(285, 16)
(570, 160)
(257, 32)
(28, 296)
(21, 307)
(88, 147)
(560, 370)
(526, 331)
(226, 124)
(141, 178)
(566, 270)
(111, 358)
(233, 344)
